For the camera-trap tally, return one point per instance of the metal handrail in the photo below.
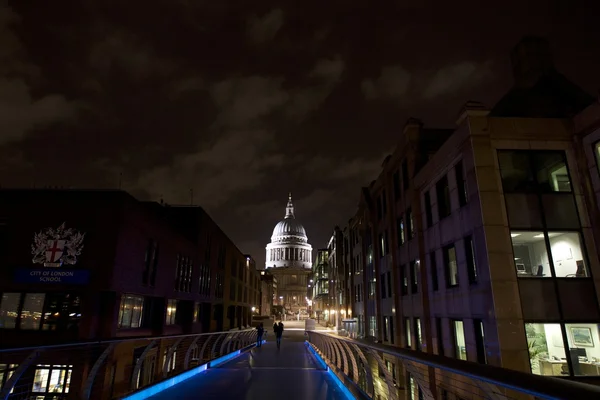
(95, 354)
(539, 386)
(117, 340)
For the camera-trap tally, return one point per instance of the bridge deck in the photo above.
(290, 373)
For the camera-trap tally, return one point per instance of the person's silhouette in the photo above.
(259, 335)
(279, 333)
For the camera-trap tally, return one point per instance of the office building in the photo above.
(480, 242)
(320, 285)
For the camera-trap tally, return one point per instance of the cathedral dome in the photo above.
(289, 226)
(289, 245)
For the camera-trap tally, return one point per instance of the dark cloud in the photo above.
(243, 102)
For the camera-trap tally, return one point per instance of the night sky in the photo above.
(245, 101)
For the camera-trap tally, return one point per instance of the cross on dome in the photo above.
(289, 210)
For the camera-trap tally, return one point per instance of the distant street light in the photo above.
(253, 309)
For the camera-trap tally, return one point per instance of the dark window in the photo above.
(471, 263)
(597, 155)
(150, 263)
(383, 286)
(480, 341)
(414, 280)
(450, 266)
(391, 329)
(440, 336)
(405, 180)
(379, 208)
(396, 179)
(410, 222)
(403, 280)
(461, 184)
(401, 232)
(433, 270)
(428, 213)
(443, 197)
(389, 283)
(534, 171)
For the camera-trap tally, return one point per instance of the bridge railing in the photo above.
(387, 372)
(111, 369)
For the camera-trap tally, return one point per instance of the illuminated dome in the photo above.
(289, 228)
(289, 244)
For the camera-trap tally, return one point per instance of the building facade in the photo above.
(289, 260)
(480, 242)
(320, 285)
(80, 265)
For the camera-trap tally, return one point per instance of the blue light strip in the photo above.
(347, 393)
(169, 383)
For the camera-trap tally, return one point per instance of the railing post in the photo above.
(186, 362)
(369, 374)
(138, 364)
(89, 382)
(12, 381)
(355, 372)
(170, 353)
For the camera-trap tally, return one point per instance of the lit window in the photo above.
(459, 340)
(9, 310)
(130, 313)
(52, 379)
(451, 266)
(171, 311)
(531, 254)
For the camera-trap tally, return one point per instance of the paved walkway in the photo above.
(265, 373)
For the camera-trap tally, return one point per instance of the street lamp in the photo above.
(253, 309)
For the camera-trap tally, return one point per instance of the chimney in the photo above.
(531, 59)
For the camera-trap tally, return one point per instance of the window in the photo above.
(382, 248)
(171, 312)
(6, 371)
(196, 312)
(471, 263)
(405, 181)
(461, 184)
(428, 213)
(418, 336)
(386, 328)
(534, 171)
(410, 222)
(547, 351)
(450, 266)
(597, 154)
(183, 274)
(51, 379)
(414, 276)
(31, 312)
(396, 182)
(383, 286)
(9, 310)
(150, 263)
(434, 272)
(439, 328)
(403, 280)
(400, 228)
(408, 339)
(532, 259)
(459, 340)
(130, 312)
(389, 284)
(480, 341)
(443, 197)
(62, 311)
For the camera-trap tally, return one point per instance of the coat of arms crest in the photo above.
(54, 247)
